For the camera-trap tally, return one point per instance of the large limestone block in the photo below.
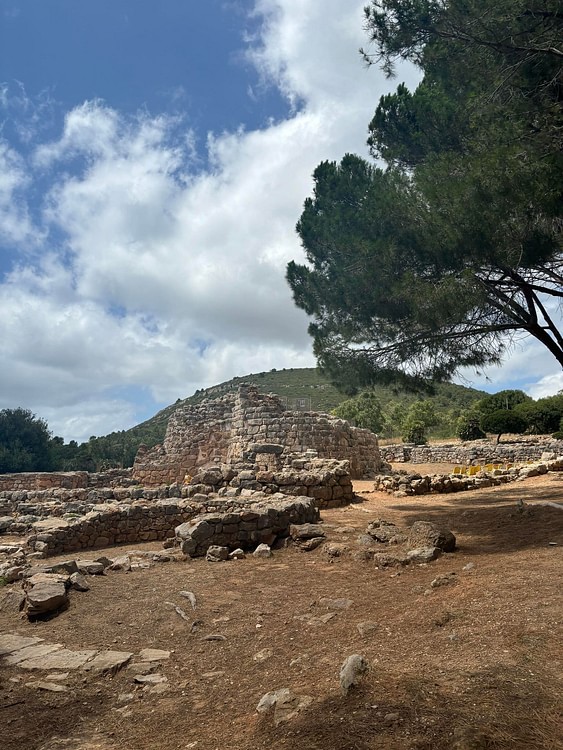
(46, 597)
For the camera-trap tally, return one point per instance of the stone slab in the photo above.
(61, 659)
(153, 654)
(52, 687)
(47, 524)
(10, 642)
(32, 652)
(108, 661)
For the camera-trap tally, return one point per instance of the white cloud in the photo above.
(16, 226)
(158, 274)
(549, 385)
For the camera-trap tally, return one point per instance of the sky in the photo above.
(154, 160)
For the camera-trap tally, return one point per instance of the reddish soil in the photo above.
(470, 665)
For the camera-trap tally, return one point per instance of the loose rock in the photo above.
(351, 672)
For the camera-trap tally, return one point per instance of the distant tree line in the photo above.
(508, 411)
(27, 444)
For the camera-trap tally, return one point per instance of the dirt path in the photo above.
(472, 664)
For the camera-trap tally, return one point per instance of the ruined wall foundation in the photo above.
(231, 430)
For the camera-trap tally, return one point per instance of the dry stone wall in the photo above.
(249, 520)
(473, 453)
(403, 484)
(261, 522)
(227, 430)
(69, 480)
(327, 481)
(115, 524)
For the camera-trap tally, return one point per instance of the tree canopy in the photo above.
(24, 442)
(444, 257)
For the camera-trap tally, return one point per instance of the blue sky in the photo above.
(154, 158)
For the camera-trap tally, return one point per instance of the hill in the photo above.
(304, 389)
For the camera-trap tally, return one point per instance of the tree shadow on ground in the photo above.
(445, 710)
(507, 520)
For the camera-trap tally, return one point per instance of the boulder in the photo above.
(45, 597)
(423, 554)
(428, 534)
(306, 531)
(215, 553)
(5, 523)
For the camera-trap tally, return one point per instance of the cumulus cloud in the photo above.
(16, 226)
(162, 269)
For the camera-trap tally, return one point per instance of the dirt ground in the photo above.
(471, 665)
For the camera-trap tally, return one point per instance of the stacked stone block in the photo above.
(67, 480)
(115, 525)
(473, 453)
(262, 522)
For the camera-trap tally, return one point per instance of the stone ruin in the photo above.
(237, 470)
(239, 429)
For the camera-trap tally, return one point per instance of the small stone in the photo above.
(78, 582)
(310, 619)
(423, 554)
(366, 628)
(285, 704)
(157, 689)
(108, 661)
(91, 567)
(468, 567)
(443, 619)
(336, 603)
(263, 655)
(51, 687)
(310, 544)
(153, 654)
(263, 550)
(150, 679)
(306, 531)
(351, 672)
(122, 563)
(215, 553)
(190, 596)
(237, 554)
(444, 580)
(392, 718)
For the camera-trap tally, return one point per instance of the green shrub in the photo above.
(467, 427)
(414, 431)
